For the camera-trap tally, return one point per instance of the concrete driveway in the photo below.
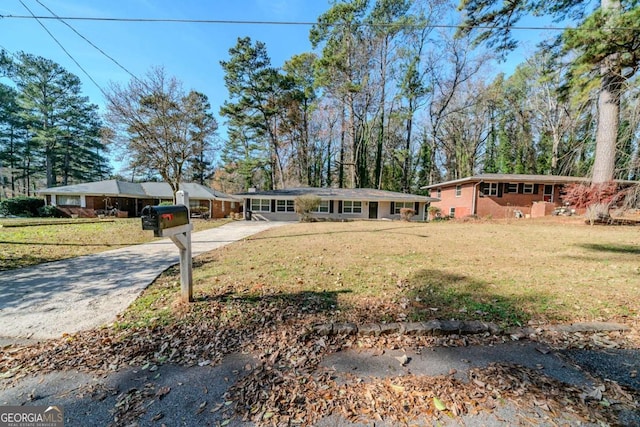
(67, 296)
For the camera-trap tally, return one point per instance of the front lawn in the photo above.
(509, 273)
(23, 244)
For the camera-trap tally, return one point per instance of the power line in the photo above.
(89, 41)
(297, 23)
(63, 48)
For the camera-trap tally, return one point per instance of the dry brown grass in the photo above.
(262, 295)
(31, 245)
(510, 272)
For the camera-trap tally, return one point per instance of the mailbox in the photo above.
(159, 218)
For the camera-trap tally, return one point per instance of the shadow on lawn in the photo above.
(2, 242)
(438, 294)
(325, 233)
(13, 262)
(614, 248)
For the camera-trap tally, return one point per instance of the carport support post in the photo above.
(183, 241)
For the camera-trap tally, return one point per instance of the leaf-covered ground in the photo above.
(263, 296)
(286, 385)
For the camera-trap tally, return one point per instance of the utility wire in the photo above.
(89, 41)
(294, 23)
(63, 48)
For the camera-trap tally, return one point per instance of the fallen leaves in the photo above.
(287, 387)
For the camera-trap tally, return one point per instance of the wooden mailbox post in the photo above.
(173, 222)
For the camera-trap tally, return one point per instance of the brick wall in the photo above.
(460, 199)
(502, 204)
(222, 209)
(540, 209)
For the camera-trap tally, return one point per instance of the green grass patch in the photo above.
(509, 273)
(25, 244)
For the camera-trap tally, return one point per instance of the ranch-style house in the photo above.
(335, 204)
(128, 198)
(502, 195)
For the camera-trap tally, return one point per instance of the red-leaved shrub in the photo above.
(584, 195)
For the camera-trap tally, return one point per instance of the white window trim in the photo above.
(528, 187)
(491, 189)
(353, 208)
(62, 200)
(323, 207)
(283, 205)
(452, 212)
(401, 205)
(508, 189)
(458, 190)
(257, 205)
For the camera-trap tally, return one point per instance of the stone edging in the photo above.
(449, 327)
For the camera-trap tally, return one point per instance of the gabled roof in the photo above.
(196, 191)
(337, 194)
(506, 177)
(156, 190)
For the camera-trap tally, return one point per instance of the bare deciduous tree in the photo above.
(157, 125)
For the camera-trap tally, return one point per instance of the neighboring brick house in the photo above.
(501, 195)
(128, 198)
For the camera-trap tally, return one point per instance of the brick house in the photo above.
(128, 198)
(501, 195)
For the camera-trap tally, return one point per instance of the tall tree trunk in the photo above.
(342, 153)
(608, 123)
(608, 110)
(355, 148)
(407, 146)
(12, 163)
(381, 134)
(329, 177)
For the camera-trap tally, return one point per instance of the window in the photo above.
(261, 205)
(452, 212)
(439, 193)
(400, 205)
(351, 207)
(68, 200)
(528, 189)
(458, 190)
(323, 207)
(285, 206)
(512, 188)
(490, 189)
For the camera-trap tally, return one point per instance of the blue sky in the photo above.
(192, 52)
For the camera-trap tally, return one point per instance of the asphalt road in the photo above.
(195, 396)
(48, 300)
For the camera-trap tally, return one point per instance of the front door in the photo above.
(548, 193)
(373, 210)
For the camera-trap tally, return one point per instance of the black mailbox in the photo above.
(158, 218)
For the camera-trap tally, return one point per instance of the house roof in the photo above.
(337, 194)
(156, 190)
(505, 177)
